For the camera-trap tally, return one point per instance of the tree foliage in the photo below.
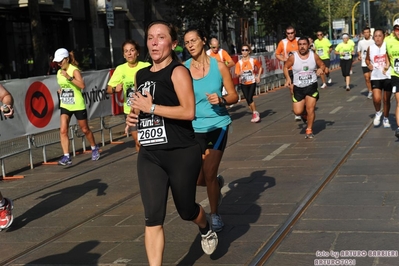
(206, 14)
(304, 15)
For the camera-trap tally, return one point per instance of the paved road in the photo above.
(91, 214)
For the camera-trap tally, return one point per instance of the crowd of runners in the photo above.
(178, 111)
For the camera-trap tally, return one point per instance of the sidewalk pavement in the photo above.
(91, 213)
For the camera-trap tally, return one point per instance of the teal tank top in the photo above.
(208, 117)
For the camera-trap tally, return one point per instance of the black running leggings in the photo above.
(345, 67)
(178, 169)
(248, 91)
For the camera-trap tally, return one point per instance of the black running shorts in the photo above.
(301, 93)
(80, 114)
(382, 84)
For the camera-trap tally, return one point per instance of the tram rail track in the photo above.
(278, 237)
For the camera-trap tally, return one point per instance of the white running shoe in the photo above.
(377, 119)
(385, 123)
(323, 86)
(298, 118)
(351, 72)
(370, 95)
(329, 81)
(217, 223)
(209, 241)
(255, 117)
(6, 216)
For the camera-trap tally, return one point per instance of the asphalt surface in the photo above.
(90, 213)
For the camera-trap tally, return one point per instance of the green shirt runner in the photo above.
(125, 75)
(322, 48)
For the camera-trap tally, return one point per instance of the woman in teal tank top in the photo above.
(211, 117)
(72, 103)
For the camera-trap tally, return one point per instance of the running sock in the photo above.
(93, 147)
(66, 154)
(205, 230)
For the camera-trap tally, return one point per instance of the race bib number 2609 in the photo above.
(151, 131)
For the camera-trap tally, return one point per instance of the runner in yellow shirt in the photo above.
(72, 103)
(392, 42)
(123, 78)
(323, 48)
(345, 50)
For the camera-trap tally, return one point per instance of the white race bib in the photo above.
(129, 97)
(67, 96)
(247, 76)
(396, 65)
(151, 131)
(305, 78)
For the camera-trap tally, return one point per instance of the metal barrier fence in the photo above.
(42, 140)
(110, 122)
(13, 147)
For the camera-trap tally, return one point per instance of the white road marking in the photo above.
(336, 109)
(276, 152)
(351, 98)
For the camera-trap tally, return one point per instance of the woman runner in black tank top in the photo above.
(169, 156)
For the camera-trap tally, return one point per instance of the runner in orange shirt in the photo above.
(245, 70)
(284, 49)
(218, 53)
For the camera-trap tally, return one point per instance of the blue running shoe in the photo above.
(95, 154)
(65, 160)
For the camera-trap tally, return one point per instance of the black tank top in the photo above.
(179, 133)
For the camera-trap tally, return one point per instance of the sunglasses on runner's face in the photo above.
(319, 34)
(245, 50)
(289, 33)
(214, 47)
(396, 29)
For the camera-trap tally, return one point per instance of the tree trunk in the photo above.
(40, 62)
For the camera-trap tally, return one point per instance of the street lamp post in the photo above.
(353, 17)
(353, 14)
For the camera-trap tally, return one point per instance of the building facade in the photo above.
(81, 26)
